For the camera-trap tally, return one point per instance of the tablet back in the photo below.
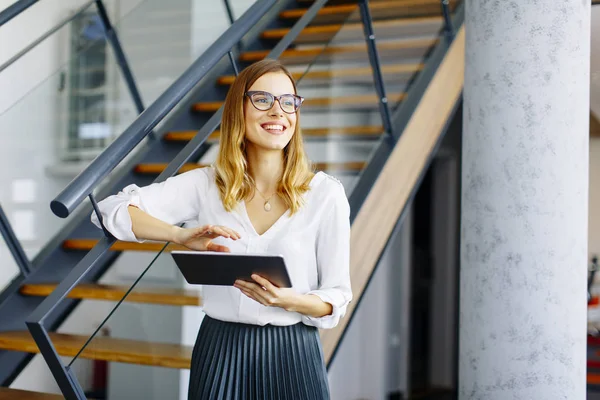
(211, 268)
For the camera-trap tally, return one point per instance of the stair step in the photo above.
(105, 349)
(95, 291)
(351, 166)
(351, 52)
(384, 9)
(351, 102)
(17, 394)
(345, 132)
(362, 74)
(354, 31)
(87, 244)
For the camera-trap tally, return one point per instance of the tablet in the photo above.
(223, 269)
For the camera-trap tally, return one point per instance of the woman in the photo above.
(256, 341)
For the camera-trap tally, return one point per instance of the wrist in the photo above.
(174, 234)
(294, 303)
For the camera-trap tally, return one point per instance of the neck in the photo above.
(266, 168)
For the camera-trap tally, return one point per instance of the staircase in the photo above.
(345, 137)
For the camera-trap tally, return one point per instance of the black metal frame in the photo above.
(113, 38)
(14, 245)
(384, 107)
(15, 9)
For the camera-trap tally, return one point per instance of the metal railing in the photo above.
(85, 183)
(14, 245)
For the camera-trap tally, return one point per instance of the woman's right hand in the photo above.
(201, 238)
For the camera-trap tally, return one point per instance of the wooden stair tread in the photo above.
(157, 168)
(354, 31)
(343, 74)
(380, 9)
(397, 48)
(185, 136)
(18, 394)
(96, 291)
(87, 244)
(363, 101)
(104, 348)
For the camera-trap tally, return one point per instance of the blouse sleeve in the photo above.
(174, 201)
(333, 260)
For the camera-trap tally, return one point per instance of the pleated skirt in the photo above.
(237, 361)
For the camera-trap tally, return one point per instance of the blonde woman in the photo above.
(257, 341)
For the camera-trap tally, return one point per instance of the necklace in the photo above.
(267, 205)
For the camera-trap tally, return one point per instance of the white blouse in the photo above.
(315, 242)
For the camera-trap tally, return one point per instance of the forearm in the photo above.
(310, 305)
(146, 227)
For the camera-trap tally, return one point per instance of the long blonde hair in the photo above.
(232, 178)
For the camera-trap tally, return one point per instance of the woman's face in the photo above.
(271, 129)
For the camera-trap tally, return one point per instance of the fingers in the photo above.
(214, 231)
(263, 282)
(252, 296)
(211, 246)
(254, 291)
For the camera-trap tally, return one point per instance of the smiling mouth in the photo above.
(274, 129)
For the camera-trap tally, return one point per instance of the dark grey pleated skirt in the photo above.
(240, 361)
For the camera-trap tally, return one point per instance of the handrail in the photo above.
(84, 183)
(44, 36)
(15, 9)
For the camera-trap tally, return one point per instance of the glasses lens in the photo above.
(262, 101)
(288, 103)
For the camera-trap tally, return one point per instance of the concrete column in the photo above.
(524, 200)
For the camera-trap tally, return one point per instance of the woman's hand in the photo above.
(268, 294)
(200, 238)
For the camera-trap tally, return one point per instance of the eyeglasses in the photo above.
(263, 101)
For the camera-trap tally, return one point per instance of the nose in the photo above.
(276, 109)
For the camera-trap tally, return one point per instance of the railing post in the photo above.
(68, 384)
(14, 245)
(448, 29)
(229, 11)
(112, 37)
(376, 67)
(99, 215)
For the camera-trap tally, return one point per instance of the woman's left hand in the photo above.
(268, 294)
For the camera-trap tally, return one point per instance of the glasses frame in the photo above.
(250, 93)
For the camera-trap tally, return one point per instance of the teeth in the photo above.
(273, 127)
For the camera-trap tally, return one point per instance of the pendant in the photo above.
(267, 206)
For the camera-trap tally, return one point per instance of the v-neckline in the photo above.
(273, 226)
(282, 218)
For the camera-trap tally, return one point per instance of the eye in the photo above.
(261, 99)
(288, 101)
